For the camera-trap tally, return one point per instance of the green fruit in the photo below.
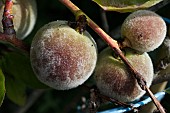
(114, 79)
(61, 57)
(143, 31)
(25, 15)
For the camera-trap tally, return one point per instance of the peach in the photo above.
(114, 79)
(61, 57)
(143, 31)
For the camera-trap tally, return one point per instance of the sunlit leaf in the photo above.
(19, 67)
(2, 87)
(167, 90)
(125, 5)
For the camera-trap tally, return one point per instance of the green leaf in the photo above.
(167, 90)
(125, 5)
(18, 66)
(15, 90)
(2, 87)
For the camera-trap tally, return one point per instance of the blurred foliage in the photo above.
(2, 87)
(15, 90)
(20, 79)
(17, 67)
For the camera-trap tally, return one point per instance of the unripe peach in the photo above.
(115, 80)
(25, 15)
(61, 57)
(143, 31)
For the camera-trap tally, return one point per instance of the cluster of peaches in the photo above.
(63, 58)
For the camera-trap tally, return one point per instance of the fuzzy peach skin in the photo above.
(143, 31)
(114, 79)
(25, 15)
(61, 57)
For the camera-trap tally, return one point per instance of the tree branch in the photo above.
(7, 20)
(11, 39)
(150, 107)
(104, 20)
(9, 34)
(31, 100)
(159, 5)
